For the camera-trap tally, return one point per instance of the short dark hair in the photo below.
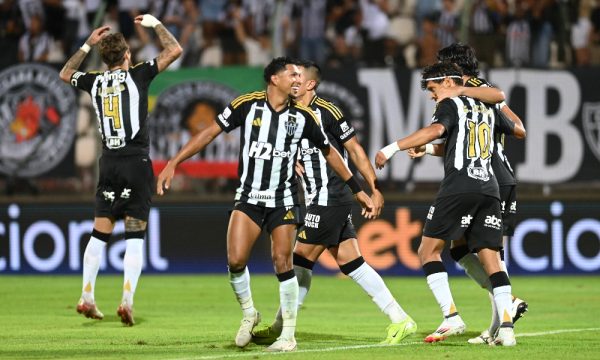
(112, 49)
(462, 55)
(277, 65)
(312, 66)
(438, 71)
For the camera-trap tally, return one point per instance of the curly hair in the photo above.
(277, 65)
(112, 49)
(462, 55)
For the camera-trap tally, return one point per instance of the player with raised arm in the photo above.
(125, 184)
(328, 221)
(273, 126)
(464, 56)
(467, 204)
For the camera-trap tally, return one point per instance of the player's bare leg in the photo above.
(241, 235)
(437, 278)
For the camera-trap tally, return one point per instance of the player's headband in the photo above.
(442, 77)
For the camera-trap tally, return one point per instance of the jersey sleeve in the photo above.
(231, 117)
(145, 71)
(477, 82)
(83, 81)
(336, 125)
(445, 114)
(503, 124)
(312, 129)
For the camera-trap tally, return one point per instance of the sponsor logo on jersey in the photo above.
(262, 194)
(309, 151)
(37, 120)
(478, 172)
(430, 213)
(265, 151)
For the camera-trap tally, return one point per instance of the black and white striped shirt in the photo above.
(322, 186)
(502, 169)
(470, 142)
(269, 141)
(120, 99)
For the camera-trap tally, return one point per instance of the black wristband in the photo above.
(354, 185)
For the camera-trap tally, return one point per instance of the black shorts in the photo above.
(270, 217)
(327, 225)
(477, 217)
(508, 200)
(125, 187)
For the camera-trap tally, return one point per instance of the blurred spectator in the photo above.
(76, 25)
(233, 35)
(425, 8)
(581, 34)
(518, 37)
(428, 43)
(11, 29)
(211, 14)
(345, 17)
(34, 45)
(595, 36)
(483, 31)
(540, 12)
(258, 23)
(308, 21)
(375, 23)
(128, 10)
(448, 23)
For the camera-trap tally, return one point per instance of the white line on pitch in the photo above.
(369, 346)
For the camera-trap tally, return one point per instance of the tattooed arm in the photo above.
(171, 48)
(75, 61)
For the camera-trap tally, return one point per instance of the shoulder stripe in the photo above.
(257, 95)
(308, 110)
(332, 108)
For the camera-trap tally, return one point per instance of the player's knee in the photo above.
(236, 265)
(282, 261)
(135, 225)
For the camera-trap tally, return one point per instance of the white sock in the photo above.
(503, 300)
(91, 263)
(370, 281)
(240, 283)
(438, 283)
(132, 267)
(495, 323)
(288, 302)
(304, 277)
(474, 269)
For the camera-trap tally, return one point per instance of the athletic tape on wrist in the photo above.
(85, 48)
(429, 149)
(390, 150)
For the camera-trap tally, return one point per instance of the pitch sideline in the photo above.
(353, 347)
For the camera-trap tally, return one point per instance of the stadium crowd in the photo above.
(405, 33)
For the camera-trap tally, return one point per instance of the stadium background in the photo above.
(49, 146)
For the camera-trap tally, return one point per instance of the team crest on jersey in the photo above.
(591, 123)
(37, 122)
(290, 125)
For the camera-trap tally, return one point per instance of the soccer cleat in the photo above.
(484, 338)
(447, 328)
(282, 345)
(266, 335)
(519, 308)
(397, 332)
(244, 334)
(89, 310)
(505, 337)
(125, 312)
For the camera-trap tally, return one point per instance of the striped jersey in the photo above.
(120, 99)
(322, 186)
(470, 126)
(269, 142)
(500, 164)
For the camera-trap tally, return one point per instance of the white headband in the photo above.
(442, 77)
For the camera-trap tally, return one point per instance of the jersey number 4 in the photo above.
(111, 110)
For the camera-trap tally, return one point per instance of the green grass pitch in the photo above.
(196, 317)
